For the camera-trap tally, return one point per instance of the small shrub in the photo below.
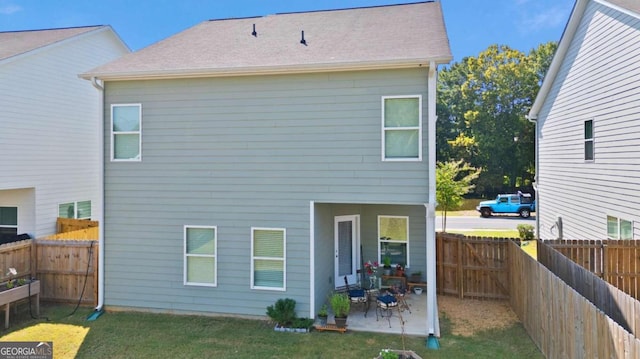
(525, 231)
(283, 312)
(341, 304)
(303, 323)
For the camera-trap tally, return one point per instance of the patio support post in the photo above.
(433, 324)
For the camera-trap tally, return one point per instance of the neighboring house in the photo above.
(49, 126)
(588, 126)
(248, 160)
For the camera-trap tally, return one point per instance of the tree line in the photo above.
(481, 128)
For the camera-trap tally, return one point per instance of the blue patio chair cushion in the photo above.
(387, 299)
(356, 293)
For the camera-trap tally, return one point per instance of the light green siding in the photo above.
(239, 152)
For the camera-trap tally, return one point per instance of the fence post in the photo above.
(33, 266)
(460, 268)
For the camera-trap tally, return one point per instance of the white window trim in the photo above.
(380, 254)
(139, 133)
(419, 128)
(619, 219)
(592, 140)
(284, 260)
(75, 209)
(215, 256)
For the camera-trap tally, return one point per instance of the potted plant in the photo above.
(322, 315)
(399, 270)
(340, 304)
(386, 267)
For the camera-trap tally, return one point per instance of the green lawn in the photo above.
(146, 335)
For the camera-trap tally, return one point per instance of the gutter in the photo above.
(534, 120)
(100, 88)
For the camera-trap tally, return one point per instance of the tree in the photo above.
(453, 181)
(482, 103)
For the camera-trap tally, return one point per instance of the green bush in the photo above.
(341, 304)
(525, 231)
(283, 312)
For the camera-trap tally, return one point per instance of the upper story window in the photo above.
(126, 132)
(402, 128)
(200, 255)
(588, 140)
(268, 261)
(75, 210)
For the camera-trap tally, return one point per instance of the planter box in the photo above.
(9, 296)
(278, 328)
(403, 354)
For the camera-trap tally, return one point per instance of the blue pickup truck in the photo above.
(520, 203)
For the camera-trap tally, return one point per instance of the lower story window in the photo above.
(76, 210)
(268, 261)
(8, 223)
(618, 228)
(393, 234)
(200, 252)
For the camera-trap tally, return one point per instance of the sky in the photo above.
(472, 25)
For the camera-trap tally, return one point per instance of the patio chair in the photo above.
(358, 296)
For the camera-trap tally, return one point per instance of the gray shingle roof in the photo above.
(372, 37)
(13, 43)
(632, 5)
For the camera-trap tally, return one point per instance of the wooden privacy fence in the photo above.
(66, 269)
(561, 321)
(615, 261)
(472, 266)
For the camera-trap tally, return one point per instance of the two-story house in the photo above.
(588, 126)
(49, 126)
(248, 160)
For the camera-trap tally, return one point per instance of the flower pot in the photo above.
(417, 290)
(341, 322)
(322, 320)
(386, 271)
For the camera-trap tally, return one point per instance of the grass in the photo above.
(146, 335)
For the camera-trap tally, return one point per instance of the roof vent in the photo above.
(303, 41)
(254, 33)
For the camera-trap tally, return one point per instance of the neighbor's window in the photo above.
(393, 234)
(200, 255)
(588, 140)
(76, 210)
(402, 128)
(8, 222)
(126, 132)
(618, 228)
(268, 248)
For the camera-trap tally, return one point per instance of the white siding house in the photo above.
(588, 126)
(49, 122)
(248, 160)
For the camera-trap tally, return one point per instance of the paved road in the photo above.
(477, 222)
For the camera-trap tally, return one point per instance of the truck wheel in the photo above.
(524, 212)
(485, 212)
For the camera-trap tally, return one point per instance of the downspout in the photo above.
(534, 120)
(100, 88)
(433, 324)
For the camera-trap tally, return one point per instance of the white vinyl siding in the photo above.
(608, 95)
(268, 264)
(200, 255)
(77, 210)
(402, 128)
(588, 141)
(126, 132)
(393, 239)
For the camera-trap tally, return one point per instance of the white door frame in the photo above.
(355, 249)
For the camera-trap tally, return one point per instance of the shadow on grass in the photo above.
(147, 335)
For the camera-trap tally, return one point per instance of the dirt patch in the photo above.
(469, 316)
